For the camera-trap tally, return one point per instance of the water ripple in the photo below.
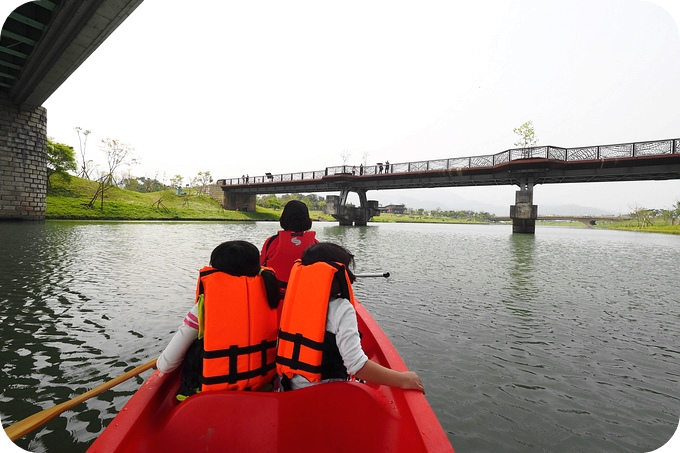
(561, 341)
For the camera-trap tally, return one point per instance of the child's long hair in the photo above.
(328, 252)
(241, 258)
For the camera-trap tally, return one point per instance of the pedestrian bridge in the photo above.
(523, 167)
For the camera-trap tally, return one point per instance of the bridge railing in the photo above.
(624, 150)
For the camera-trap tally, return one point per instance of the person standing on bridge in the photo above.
(280, 251)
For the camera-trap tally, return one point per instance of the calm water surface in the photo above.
(563, 341)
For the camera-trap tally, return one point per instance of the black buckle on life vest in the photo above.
(233, 352)
(294, 362)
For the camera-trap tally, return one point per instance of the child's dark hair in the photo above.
(241, 258)
(328, 252)
(295, 216)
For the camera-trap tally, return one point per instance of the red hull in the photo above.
(341, 416)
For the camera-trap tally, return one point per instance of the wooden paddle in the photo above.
(25, 426)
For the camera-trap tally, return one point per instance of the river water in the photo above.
(566, 340)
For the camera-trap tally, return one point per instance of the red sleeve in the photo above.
(267, 249)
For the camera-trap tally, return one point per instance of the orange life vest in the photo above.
(239, 332)
(289, 247)
(303, 321)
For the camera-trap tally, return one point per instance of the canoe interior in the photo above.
(341, 416)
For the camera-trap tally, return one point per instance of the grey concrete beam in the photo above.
(76, 30)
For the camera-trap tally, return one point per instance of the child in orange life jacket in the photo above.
(236, 305)
(280, 251)
(333, 353)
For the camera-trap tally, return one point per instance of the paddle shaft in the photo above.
(376, 274)
(25, 426)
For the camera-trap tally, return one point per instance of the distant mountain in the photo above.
(451, 203)
(572, 209)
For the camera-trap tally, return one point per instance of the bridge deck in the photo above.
(655, 160)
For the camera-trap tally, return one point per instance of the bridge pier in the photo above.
(23, 158)
(524, 213)
(336, 205)
(239, 201)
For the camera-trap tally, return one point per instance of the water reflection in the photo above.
(522, 282)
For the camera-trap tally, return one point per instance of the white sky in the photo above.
(252, 87)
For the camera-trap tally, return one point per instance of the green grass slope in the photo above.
(72, 198)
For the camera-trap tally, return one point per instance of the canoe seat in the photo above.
(297, 420)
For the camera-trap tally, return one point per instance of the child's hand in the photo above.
(411, 381)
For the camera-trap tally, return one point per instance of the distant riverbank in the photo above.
(75, 199)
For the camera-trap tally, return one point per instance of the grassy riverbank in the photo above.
(628, 225)
(74, 199)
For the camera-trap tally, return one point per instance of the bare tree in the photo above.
(86, 165)
(345, 155)
(364, 158)
(117, 154)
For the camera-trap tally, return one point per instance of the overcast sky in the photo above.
(267, 86)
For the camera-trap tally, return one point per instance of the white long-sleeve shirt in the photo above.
(174, 352)
(341, 320)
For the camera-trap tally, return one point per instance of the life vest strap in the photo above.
(233, 352)
(298, 341)
(233, 378)
(201, 274)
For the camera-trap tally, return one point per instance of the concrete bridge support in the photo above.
(239, 201)
(524, 213)
(23, 171)
(336, 205)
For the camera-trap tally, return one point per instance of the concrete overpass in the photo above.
(41, 44)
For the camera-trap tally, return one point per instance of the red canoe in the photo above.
(339, 416)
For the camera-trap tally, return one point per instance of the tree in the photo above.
(642, 216)
(176, 181)
(60, 159)
(345, 155)
(143, 184)
(117, 154)
(201, 180)
(675, 211)
(86, 165)
(270, 201)
(364, 158)
(527, 139)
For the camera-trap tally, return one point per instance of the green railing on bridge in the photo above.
(586, 153)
